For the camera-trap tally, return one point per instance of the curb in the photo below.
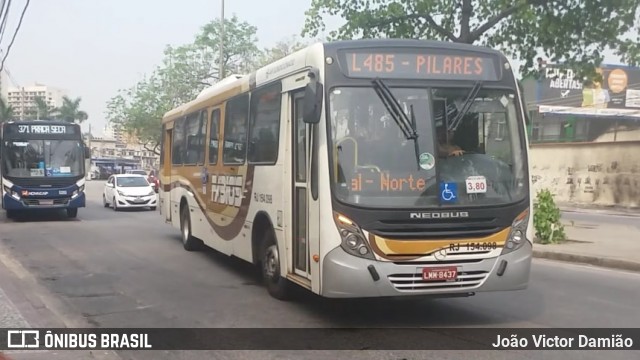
(586, 259)
(627, 213)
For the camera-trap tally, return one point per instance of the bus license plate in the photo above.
(45, 202)
(440, 273)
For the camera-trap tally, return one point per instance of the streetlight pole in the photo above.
(221, 70)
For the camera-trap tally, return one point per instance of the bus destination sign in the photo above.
(42, 129)
(424, 64)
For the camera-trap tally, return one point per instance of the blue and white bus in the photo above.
(43, 166)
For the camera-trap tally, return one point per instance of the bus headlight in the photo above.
(517, 236)
(353, 240)
(13, 194)
(77, 192)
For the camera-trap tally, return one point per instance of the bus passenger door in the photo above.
(305, 214)
(165, 180)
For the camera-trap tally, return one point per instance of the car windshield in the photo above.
(131, 181)
(41, 158)
(376, 164)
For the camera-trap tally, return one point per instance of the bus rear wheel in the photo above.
(72, 213)
(189, 242)
(277, 286)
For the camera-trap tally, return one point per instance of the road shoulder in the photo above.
(25, 303)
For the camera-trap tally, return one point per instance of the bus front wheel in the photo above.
(277, 286)
(72, 213)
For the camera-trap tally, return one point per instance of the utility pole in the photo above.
(221, 70)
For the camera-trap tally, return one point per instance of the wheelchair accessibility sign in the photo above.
(448, 192)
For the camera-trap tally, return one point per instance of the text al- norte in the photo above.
(615, 341)
(96, 341)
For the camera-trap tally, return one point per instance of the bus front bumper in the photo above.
(347, 276)
(11, 203)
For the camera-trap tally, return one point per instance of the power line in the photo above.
(14, 34)
(4, 13)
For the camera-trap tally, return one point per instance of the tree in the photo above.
(70, 110)
(42, 110)
(564, 31)
(185, 71)
(6, 111)
(240, 50)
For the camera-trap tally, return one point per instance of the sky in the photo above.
(93, 48)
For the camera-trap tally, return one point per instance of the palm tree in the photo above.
(6, 111)
(42, 111)
(70, 110)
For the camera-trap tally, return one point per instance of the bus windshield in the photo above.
(468, 150)
(43, 158)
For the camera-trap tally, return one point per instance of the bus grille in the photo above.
(415, 283)
(36, 202)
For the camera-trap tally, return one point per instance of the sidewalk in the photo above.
(601, 244)
(26, 304)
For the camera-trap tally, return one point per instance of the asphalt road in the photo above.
(128, 269)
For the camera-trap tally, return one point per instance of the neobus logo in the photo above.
(439, 215)
(34, 193)
(227, 189)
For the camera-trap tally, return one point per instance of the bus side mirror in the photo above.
(312, 102)
(87, 152)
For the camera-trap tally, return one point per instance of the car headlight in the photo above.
(151, 193)
(518, 235)
(121, 193)
(353, 240)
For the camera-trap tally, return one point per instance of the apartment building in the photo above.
(23, 99)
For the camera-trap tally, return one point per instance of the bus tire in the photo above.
(189, 242)
(72, 213)
(277, 286)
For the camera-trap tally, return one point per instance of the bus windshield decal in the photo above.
(421, 64)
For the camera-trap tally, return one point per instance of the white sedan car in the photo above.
(129, 191)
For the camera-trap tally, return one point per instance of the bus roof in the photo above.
(234, 84)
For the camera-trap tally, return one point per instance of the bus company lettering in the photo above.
(227, 189)
(388, 183)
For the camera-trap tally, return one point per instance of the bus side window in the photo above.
(178, 142)
(213, 137)
(235, 130)
(193, 150)
(264, 131)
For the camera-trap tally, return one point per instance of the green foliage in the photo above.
(546, 219)
(70, 110)
(6, 111)
(185, 71)
(572, 32)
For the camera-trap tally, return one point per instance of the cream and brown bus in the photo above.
(363, 168)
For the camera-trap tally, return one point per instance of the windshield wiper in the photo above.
(453, 125)
(407, 125)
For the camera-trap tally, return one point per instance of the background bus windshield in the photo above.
(42, 158)
(472, 157)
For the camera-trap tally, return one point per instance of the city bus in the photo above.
(359, 169)
(43, 166)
